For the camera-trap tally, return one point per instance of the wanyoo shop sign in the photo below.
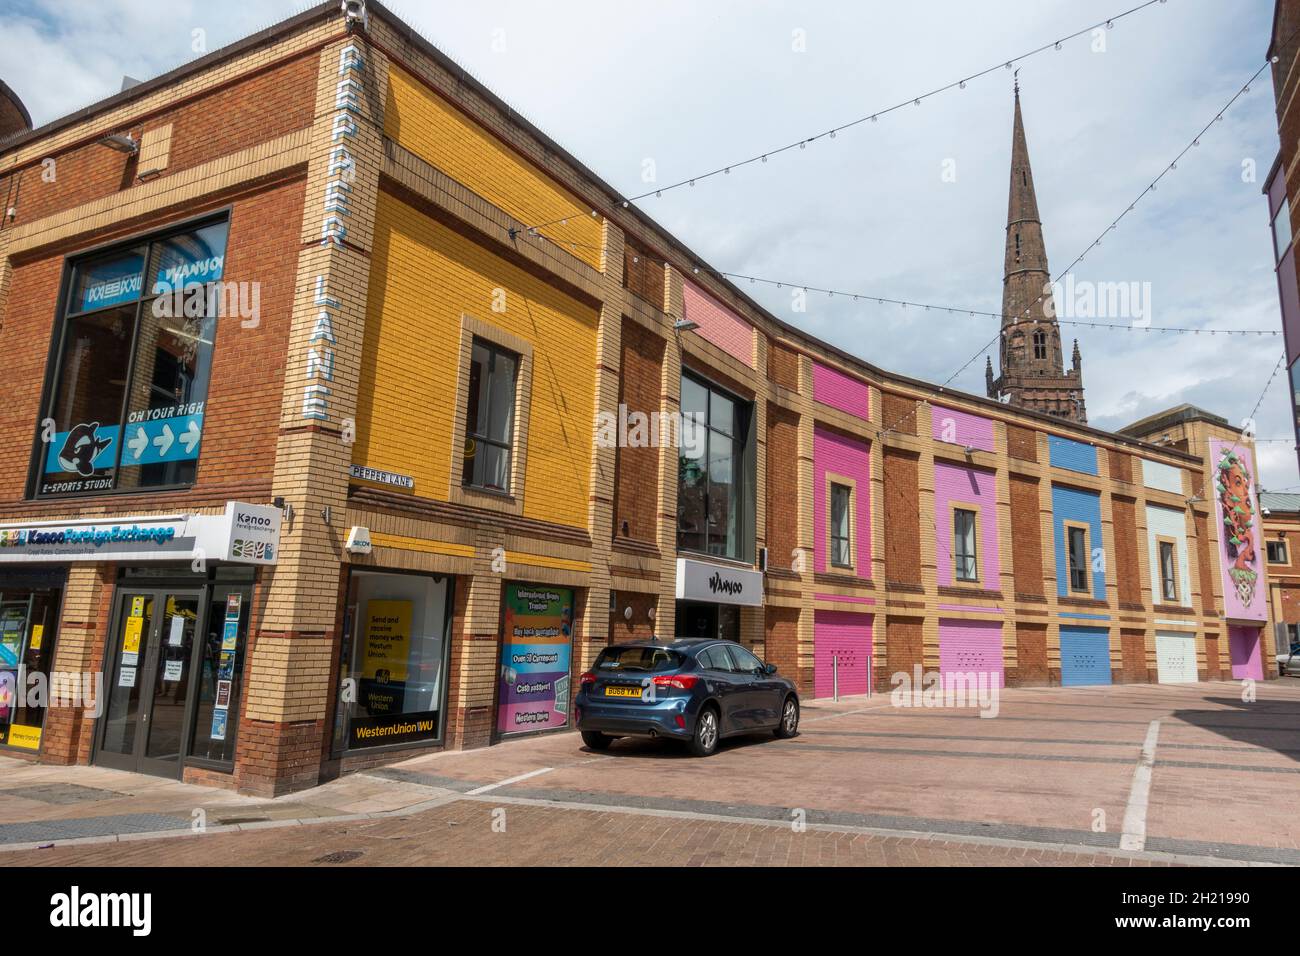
(244, 534)
(718, 584)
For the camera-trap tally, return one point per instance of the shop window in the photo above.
(1168, 572)
(714, 510)
(1077, 557)
(841, 518)
(490, 417)
(132, 362)
(963, 549)
(28, 628)
(395, 656)
(1277, 553)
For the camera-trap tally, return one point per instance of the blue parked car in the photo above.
(696, 690)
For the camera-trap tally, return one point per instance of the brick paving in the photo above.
(1046, 782)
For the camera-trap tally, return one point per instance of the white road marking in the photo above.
(1135, 814)
(508, 781)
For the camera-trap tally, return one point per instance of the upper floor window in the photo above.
(963, 537)
(1040, 345)
(132, 359)
(841, 518)
(1277, 553)
(1077, 557)
(714, 497)
(490, 417)
(1168, 572)
(1282, 229)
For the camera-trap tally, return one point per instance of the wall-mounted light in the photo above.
(627, 613)
(685, 325)
(651, 613)
(119, 142)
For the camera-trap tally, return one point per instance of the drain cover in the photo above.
(339, 856)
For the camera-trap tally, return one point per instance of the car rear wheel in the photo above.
(705, 740)
(596, 741)
(789, 725)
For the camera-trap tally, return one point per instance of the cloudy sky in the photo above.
(692, 86)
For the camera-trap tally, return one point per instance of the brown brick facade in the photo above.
(902, 531)
(1127, 570)
(1026, 536)
(636, 483)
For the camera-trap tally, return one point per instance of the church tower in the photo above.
(1032, 363)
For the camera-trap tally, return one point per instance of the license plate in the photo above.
(623, 692)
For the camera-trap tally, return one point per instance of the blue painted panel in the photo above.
(1074, 455)
(1085, 656)
(1084, 507)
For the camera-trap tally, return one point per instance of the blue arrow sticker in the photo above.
(168, 439)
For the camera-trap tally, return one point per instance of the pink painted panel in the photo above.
(1243, 651)
(832, 387)
(957, 483)
(961, 428)
(718, 324)
(1241, 562)
(846, 635)
(970, 647)
(841, 455)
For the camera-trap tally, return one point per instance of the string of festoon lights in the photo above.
(803, 143)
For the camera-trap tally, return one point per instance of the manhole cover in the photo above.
(339, 856)
(61, 794)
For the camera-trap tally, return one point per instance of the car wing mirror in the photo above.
(769, 668)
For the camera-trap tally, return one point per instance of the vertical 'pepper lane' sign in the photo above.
(337, 208)
(1239, 539)
(535, 650)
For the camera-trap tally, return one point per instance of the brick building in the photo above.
(1281, 525)
(349, 415)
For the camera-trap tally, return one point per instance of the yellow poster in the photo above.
(29, 738)
(387, 641)
(38, 634)
(131, 635)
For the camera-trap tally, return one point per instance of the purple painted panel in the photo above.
(957, 483)
(718, 324)
(1240, 550)
(1243, 651)
(1289, 294)
(832, 387)
(847, 636)
(961, 428)
(841, 455)
(970, 647)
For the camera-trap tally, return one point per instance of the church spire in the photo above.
(1031, 359)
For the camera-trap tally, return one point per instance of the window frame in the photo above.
(963, 507)
(1038, 342)
(1086, 532)
(1282, 546)
(485, 415)
(849, 486)
(1171, 582)
(744, 483)
(55, 352)
(1279, 253)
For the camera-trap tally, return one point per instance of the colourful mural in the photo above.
(1239, 542)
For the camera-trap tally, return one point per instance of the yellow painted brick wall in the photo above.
(427, 125)
(424, 277)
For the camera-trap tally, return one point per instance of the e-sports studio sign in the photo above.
(244, 534)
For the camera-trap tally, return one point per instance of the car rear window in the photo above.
(638, 659)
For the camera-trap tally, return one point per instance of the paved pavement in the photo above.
(1127, 775)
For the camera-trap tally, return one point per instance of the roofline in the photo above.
(273, 32)
(421, 44)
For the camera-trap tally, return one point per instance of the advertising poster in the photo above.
(385, 649)
(8, 695)
(535, 649)
(12, 621)
(1241, 559)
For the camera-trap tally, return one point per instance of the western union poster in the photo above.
(385, 650)
(535, 648)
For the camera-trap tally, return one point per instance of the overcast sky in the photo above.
(693, 86)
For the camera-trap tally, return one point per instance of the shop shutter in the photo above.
(846, 636)
(1085, 656)
(970, 647)
(1244, 651)
(1176, 657)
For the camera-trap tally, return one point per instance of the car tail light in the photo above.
(681, 722)
(680, 681)
(587, 678)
